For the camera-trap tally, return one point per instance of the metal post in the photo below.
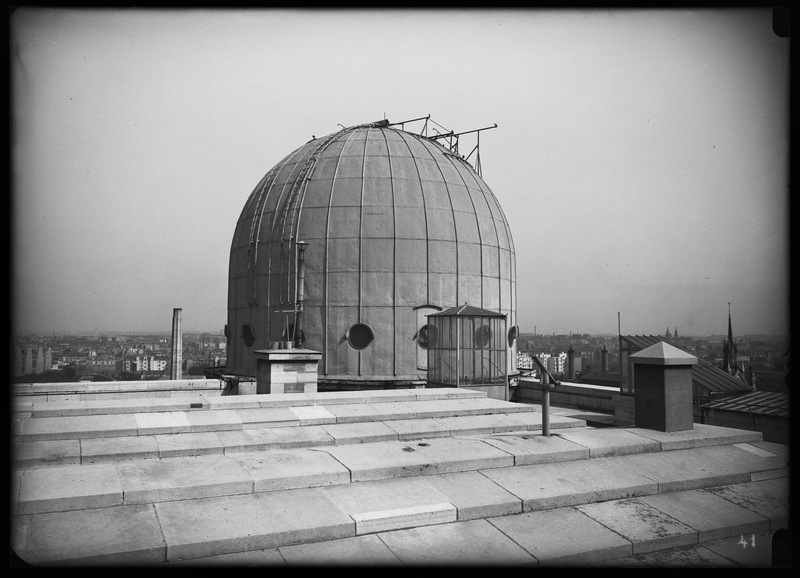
(546, 411)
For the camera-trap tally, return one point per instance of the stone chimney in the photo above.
(177, 345)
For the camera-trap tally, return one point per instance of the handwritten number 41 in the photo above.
(744, 542)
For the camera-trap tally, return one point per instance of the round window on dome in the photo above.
(482, 336)
(248, 335)
(512, 335)
(360, 336)
(426, 336)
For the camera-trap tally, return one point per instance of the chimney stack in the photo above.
(177, 345)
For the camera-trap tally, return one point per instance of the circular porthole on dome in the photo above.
(248, 335)
(360, 336)
(482, 336)
(426, 336)
(513, 333)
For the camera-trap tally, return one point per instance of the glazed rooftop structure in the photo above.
(349, 242)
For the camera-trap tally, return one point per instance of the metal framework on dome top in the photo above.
(449, 137)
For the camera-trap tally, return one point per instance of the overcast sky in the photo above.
(641, 157)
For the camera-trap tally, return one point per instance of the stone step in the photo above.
(93, 450)
(72, 487)
(555, 512)
(39, 427)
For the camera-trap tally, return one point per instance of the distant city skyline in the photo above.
(641, 156)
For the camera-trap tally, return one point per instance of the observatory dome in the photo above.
(392, 226)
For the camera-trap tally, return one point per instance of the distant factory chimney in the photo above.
(571, 363)
(177, 345)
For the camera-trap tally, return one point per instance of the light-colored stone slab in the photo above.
(303, 436)
(699, 435)
(313, 415)
(92, 537)
(465, 544)
(283, 470)
(467, 424)
(74, 427)
(104, 450)
(68, 488)
(162, 423)
(758, 461)
(408, 517)
(711, 515)
(58, 408)
(475, 495)
(646, 527)
(768, 498)
(678, 470)
(46, 453)
(372, 411)
(248, 440)
(117, 406)
(389, 494)
(233, 402)
(251, 559)
(361, 432)
(217, 420)
(214, 526)
(462, 454)
(603, 442)
(267, 417)
(367, 550)
(557, 485)
(749, 551)
(563, 537)
(183, 479)
(188, 444)
(381, 460)
(413, 429)
(447, 393)
(534, 448)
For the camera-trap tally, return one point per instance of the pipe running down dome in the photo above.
(397, 227)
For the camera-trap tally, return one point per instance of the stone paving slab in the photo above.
(160, 422)
(248, 440)
(92, 537)
(361, 432)
(699, 435)
(711, 515)
(366, 550)
(372, 411)
(759, 461)
(683, 469)
(454, 454)
(283, 470)
(267, 417)
(68, 488)
(72, 427)
(603, 442)
(646, 527)
(563, 537)
(475, 496)
(100, 450)
(189, 444)
(303, 436)
(46, 453)
(150, 481)
(407, 517)
(203, 421)
(313, 415)
(558, 485)
(213, 526)
(768, 498)
(418, 428)
(381, 460)
(474, 543)
(532, 448)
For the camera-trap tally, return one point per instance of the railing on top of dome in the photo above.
(451, 138)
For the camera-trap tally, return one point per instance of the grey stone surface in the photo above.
(214, 526)
(699, 435)
(610, 441)
(367, 550)
(645, 526)
(266, 417)
(68, 488)
(188, 444)
(313, 415)
(217, 420)
(183, 479)
(474, 543)
(411, 429)
(384, 460)
(749, 457)
(683, 469)
(475, 496)
(711, 515)
(361, 432)
(462, 454)
(563, 537)
(100, 450)
(72, 427)
(557, 485)
(282, 470)
(768, 498)
(534, 448)
(248, 440)
(303, 436)
(162, 423)
(46, 453)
